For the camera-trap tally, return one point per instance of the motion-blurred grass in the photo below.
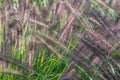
(50, 60)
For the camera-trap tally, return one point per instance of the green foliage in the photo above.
(47, 66)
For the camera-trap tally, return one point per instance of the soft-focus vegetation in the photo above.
(59, 39)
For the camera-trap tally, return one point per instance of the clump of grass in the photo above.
(50, 40)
